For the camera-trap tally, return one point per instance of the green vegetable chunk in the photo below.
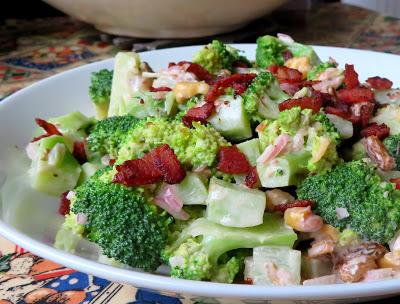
(373, 205)
(196, 254)
(100, 91)
(192, 190)
(122, 221)
(234, 206)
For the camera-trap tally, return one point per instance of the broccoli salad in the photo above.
(280, 171)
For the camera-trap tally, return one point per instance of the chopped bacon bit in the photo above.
(231, 160)
(378, 153)
(338, 112)
(293, 204)
(248, 281)
(221, 84)
(365, 114)
(159, 164)
(239, 88)
(396, 181)
(355, 95)
(138, 172)
(79, 152)
(240, 64)
(290, 87)
(111, 162)
(381, 131)
(200, 72)
(313, 103)
(379, 83)
(251, 179)
(64, 204)
(199, 114)
(49, 128)
(168, 164)
(160, 89)
(285, 73)
(287, 55)
(351, 77)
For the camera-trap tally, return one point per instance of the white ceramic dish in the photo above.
(166, 18)
(32, 226)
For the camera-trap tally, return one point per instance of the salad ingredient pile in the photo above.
(278, 171)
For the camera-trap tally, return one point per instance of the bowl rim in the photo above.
(168, 284)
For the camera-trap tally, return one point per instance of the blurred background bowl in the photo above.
(166, 18)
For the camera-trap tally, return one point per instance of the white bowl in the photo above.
(30, 219)
(166, 18)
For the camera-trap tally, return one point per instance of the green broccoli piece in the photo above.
(318, 69)
(373, 205)
(262, 98)
(217, 56)
(100, 91)
(392, 145)
(122, 221)
(199, 252)
(269, 51)
(108, 134)
(194, 147)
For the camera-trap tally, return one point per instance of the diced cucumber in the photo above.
(251, 149)
(344, 126)
(391, 96)
(55, 170)
(231, 120)
(126, 68)
(283, 171)
(234, 206)
(71, 123)
(143, 105)
(267, 259)
(192, 190)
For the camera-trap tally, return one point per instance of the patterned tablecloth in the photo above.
(33, 50)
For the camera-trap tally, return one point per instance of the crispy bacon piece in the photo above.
(378, 153)
(231, 160)
(199, 114)
(168, 164)
(251, 179)
(64, 207)
(379, 83)
(365, 114)
(49, 128)
(338, 112)
(396, 181)
(221, 84)
(160, 89)
(200, 72)
(296, 203)
(355, 95)
(79, 152)
(285, 73)
(290, 87)
(111, 162)
(248, 281)
(314, 103)
(351, 77)
(381, 131)
(160, 164)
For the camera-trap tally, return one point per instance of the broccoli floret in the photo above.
(122, 221)
(269, 51)
(194, 147)
(318, 69)
(108, 134)
(262, 98)
(217, 56)
(198, 253)
(373, 205)
(100, 91)
(392, 144)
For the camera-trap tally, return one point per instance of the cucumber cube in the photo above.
(231, 120)
(233, 205)
(267, 258)
(71, 122)
(192, 190)
(251, 149)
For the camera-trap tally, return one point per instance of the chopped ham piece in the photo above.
(274, 149)
(168, 199)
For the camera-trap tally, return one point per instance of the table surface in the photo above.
(35, 49)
